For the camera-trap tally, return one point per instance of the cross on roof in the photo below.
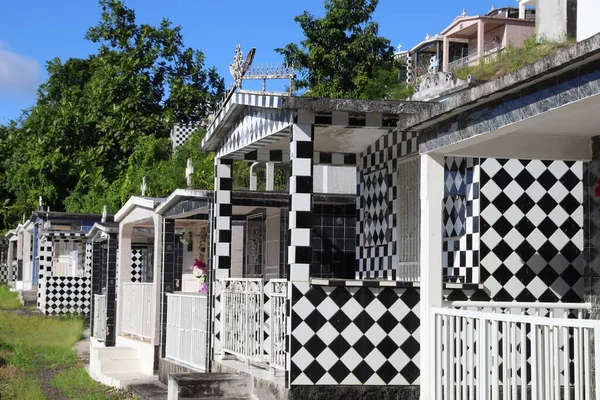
(143, 187)
(189, 170)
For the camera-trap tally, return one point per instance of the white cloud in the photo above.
(19, 74)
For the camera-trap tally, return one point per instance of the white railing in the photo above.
(278, 328)
(490, 54)
(511, 354)
(137, 310)
(242, 318)
(99, 317)
(187, 331)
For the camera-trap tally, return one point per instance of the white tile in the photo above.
(351, 334)
(302, 202)
(327, 333)
(302, 334)
(327, 359)
(352, 308)
(514, 238)
(536, 168)
(513, 167)
(375, 334)
(351, 359)
(301, 237)
(302, 167)
(536, 215)
(300, 272)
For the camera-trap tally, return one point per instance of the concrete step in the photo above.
(205, 386)
(122, 366)
(116, 353)
(28, 297)
(149, 391)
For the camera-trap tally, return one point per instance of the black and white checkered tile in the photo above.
(181, 133)
(88, 259)
(4, 273)
(346, 335)
(532, 230)
(137, 259)
(460, 255)
(375, 197)
(283, 156)
(62, 295)
(68, 295)
(301, 202)
(380, 261)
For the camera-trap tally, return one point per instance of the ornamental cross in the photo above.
(189, 170)
(143, 187)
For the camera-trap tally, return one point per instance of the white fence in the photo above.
(187, 330)
(137, 309)
(278, 324)
(242, 318)
(516, 351)
(99, 317)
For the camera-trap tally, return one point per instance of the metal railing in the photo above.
(99, 317)
(516, 351)
(242, 318)
(278, 324)
(187, 329)
(137, 309)
(490, 53)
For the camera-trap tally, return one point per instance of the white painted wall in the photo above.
(551, 19)
(334, 179)
(588, 18)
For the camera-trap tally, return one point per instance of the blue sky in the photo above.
(35, 31)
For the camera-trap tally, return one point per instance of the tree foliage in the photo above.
(101, 121)
(342, 54)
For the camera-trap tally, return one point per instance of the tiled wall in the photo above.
(67, 295)
(354, 335)
(376, 242)
(460, 229)
(532, 230)
(334, 241)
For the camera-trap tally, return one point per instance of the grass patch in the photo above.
(75, 383)
(513, 58)
(40, 356)
(8, 300)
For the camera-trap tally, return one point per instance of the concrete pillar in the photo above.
(432, 196)
(480, 39)
(301, 202)
(253, 177)
(446, 54)
(521, 10)
(123, 270)
(222, 221)
(270, 176)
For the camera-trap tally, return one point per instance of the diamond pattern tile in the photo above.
(366, 341)
(532, 251)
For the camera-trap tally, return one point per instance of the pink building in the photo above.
(484, 36)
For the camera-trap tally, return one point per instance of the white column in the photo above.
(123, 269)
(480, 39)
(156, 281)
(253, 177)
(521, 9)
(270, 176)
(446, 55)
(222, 218)
(432, 196)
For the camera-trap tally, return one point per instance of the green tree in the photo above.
(96, 116)
(342, 54)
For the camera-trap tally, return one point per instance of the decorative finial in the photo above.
(427, 37)
(464, 12)
(23, 217)
(143, 187)
(189, 170)
(104, 213)
(399, 47)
